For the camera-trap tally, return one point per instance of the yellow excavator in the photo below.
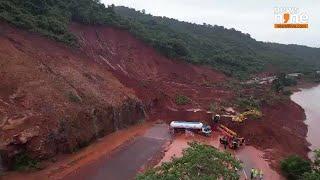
(243, 116)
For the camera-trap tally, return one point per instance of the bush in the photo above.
(74, 98)
(282, 81)
(198, 162)
(182, 100)
(271, 98)
(294, 167)
(287, 93)
(248, 103)
(213, 107)
(311, 176)
(22, 162)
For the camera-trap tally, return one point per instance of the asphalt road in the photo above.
(124, 163)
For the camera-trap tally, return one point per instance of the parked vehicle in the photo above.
(196, 126)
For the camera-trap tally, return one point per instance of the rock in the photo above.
(27, 134)
(12, 124)
(3, 120)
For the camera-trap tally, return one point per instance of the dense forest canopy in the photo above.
(227, 50)
(52, 17)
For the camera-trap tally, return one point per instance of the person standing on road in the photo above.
(260, 174)
(255, 173)
(251, 174)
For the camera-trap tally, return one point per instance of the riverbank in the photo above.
(279, 133)
(308, 99)
(302, 85)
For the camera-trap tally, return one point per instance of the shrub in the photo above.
(213, 107)
(74, 98)
(248, 103)
(287, 93)
(182, 100)
(198, 162)
(282, 81)
(294, 167)
(311, 176)
(22, 162)
(271, 98)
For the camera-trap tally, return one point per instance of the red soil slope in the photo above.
(56, 99)
(53, 98)
(155, 78)
(281, 132)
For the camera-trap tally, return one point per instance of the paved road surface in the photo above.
(124, 163)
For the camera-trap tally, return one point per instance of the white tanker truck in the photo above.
(192, 126)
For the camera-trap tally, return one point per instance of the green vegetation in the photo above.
(283, 81)
(312, 77)
(270, 97)
(22, 162)
(213, 107)
(182, 100)
(52, 17)
(294, 167)
(73, 97)
(227, 50)
(250, 102)
(198, 162)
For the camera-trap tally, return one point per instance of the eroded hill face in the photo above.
(57, 99)
(152, 76)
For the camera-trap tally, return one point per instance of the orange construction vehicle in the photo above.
(230, 138)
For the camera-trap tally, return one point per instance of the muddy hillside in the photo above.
(54, 98)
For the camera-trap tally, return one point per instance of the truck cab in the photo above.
(206, 130)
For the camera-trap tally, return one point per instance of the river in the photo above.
(308, 99)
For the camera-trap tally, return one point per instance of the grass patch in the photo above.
(182, 100)
(247, 103)
(73, 97)
(23, 162)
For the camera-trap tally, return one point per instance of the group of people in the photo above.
(256, 174)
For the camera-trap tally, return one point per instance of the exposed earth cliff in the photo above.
(54, 98)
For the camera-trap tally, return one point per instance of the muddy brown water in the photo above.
(309, 100)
